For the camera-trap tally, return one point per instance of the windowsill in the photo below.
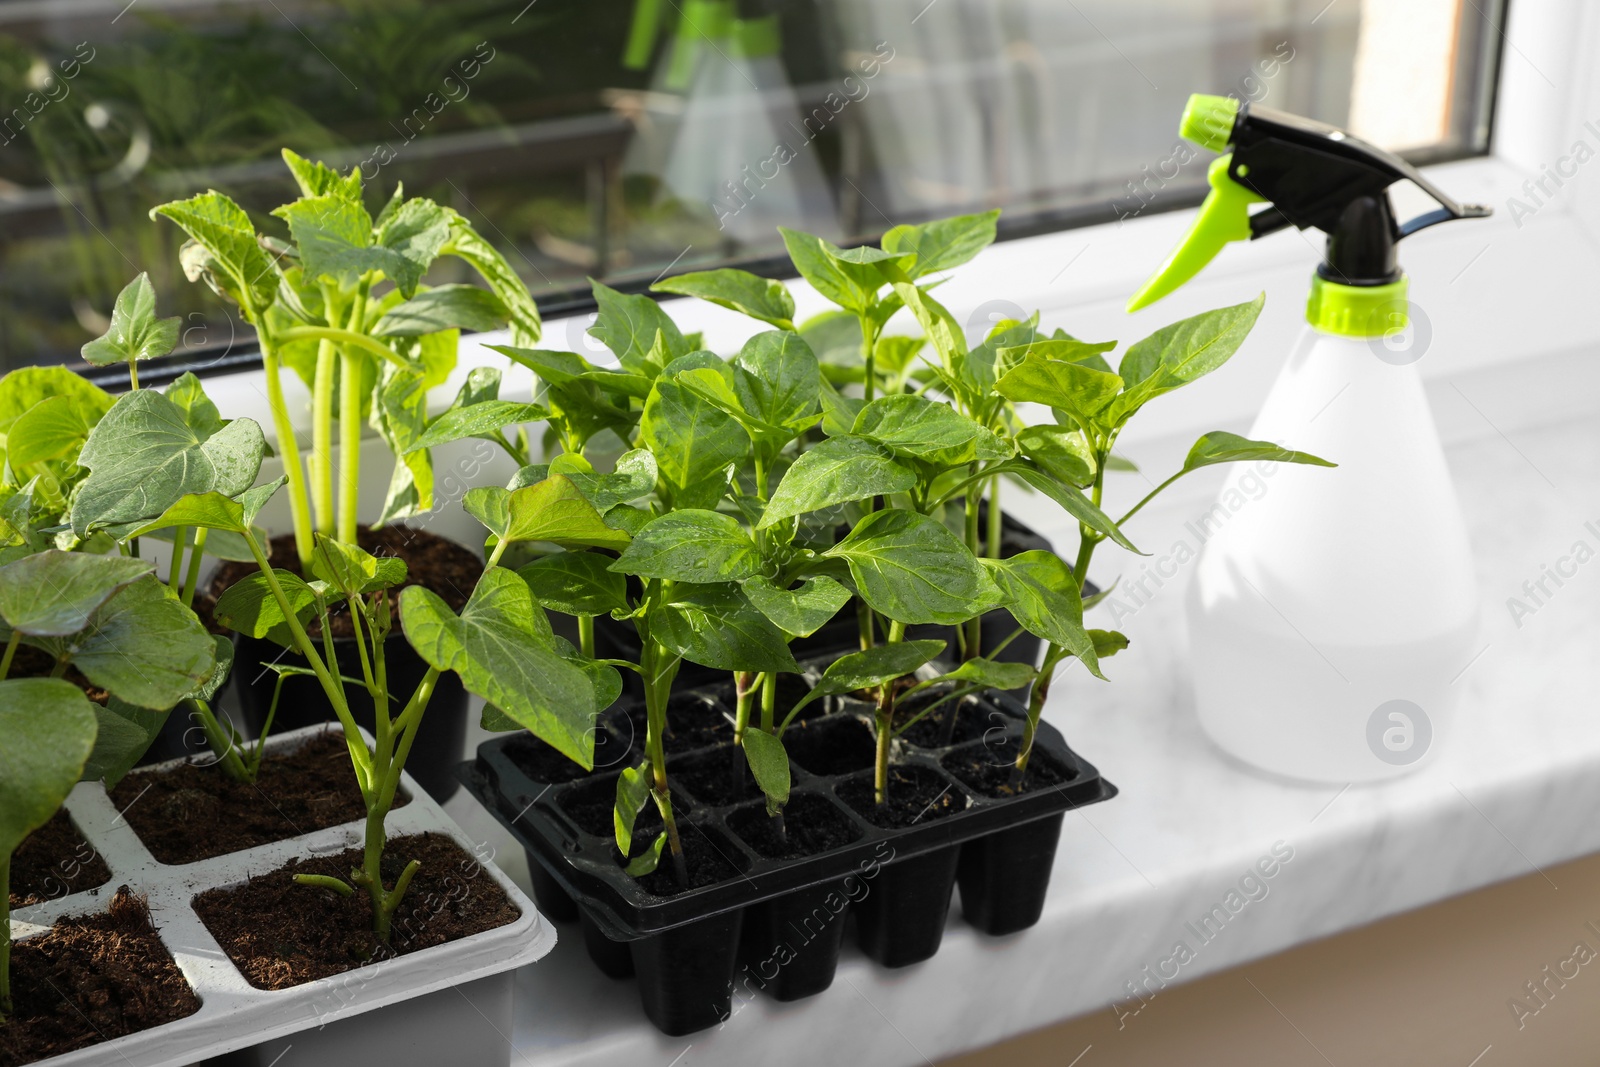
(1507, 792)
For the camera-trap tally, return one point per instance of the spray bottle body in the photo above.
(1330, 617)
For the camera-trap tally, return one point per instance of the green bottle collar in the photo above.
(1357, 310)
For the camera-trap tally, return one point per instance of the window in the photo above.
(623, 139)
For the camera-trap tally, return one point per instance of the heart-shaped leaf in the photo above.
(249, 607)
(144, 456)
(143, 645)
(212, 511)
(120, 740)
(498, 648)
(55, 594)
(47, 729)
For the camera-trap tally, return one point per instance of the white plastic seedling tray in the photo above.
(466, 1021)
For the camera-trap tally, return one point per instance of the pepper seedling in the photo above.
(343, 305)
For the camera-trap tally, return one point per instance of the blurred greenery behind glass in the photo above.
(623, 138)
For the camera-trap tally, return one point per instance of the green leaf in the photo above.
(1108, 642)
(1219, 446)
(769, 765)
(777, 379)
(497, 648)
(47, 729)
(1081, 392)
(144, 456)
(220, 669)
(142, 645)
(334, 236)
(135, 333)
(318, 179)
(633, 793)
(447, 307)
(400, 415)
(248, 606)
(412, 238)
(943, 244)
(691, 546)
(1043, 596)
(987, 673)
(354, 571)
(692, 440)
(870, 668)
(716, 626)
(629, 326)
(1178, 354)
(553, 510)
(213, 511)
(54, 428)
(736, 290)
(1060, 452)
(55, 594)
(198, 410)
(467, 244)
(485, 419)
(647, 861)
(230, 256)
(1075, 504)
(919, 428)
(912, 569)
(853, 286)
(26, 387)
(576, 583)
(838, 411)
(798, 612)
(837, 471)
(119, 741)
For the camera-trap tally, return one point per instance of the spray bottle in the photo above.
(1330, 615)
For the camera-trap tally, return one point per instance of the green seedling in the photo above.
(343, 305)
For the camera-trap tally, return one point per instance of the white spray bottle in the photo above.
(1330, 617)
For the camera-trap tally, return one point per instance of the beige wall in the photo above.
(1428, 987)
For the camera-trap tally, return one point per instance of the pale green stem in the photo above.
(180, 540)
(322, 437)
(11, 652)
(196, 557)
(288, 449)
(349, 446)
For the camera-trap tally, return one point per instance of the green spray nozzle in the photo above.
(1224, 217)
(1311, 175)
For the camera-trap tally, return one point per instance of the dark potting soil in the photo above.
(811, 825)
(30, 662)
(721, 776)
(432, 562)
(282, 934)
(89, 980)
(833, 744)
(709, 858)
(692, 722)
(916, 795)
(936, 730)
(590, 807)
(53, 861)
(991, 770)
(194, 811)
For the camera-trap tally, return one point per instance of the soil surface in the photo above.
(811, 825)
(951, 723)
(721, 776)
(90, 980)
(833, 744)
(54, 861)
(195, 812)
(916, 795)
(281, 934)
(31, 662)
(710, 860)
(432, 562)
(692, 722)
(991, 770)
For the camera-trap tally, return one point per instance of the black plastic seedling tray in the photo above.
(895, 881)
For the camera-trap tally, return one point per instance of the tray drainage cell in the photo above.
(811, 826)
(832, 744)
(990, 769)
(917, 795)
(719, 776)
(951, 722)
(694, 720)
(590, 805)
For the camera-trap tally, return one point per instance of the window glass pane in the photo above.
(622, 139)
